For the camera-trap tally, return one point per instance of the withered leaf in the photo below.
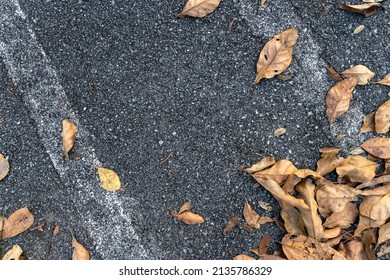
(353, 250)
(378, 147)
(272, 258)
(368, 238)
(381, 210)
(384, 233)
(264, 244)
(328, 162)
(385, 81)
(262, 2)
(276, 55)
(4, 167)
(185, 207)
(188, 218)
(285, 77)
(382, 118)
(198, 8)
(247, 228)
(280, 131)
(358, 29)
(2, 221)
(279, 172)
(265, 205)
(332, 73)
(250, 216)
(243, 257)
(364, 9)
(14, 253)
(261, 165)
(79, 252)
(293, 222)
(368, 123)
(297, 176)
(367, 203)
(360, 72)
(68, 134)
(365, 223)
(333, 241)
(109, 179)
(338, 98)
(56, 230)
(344, 218)
(376, 181)
(231, 224)
(357, 169)
(18, 222)
(331, 233)
(357, 151)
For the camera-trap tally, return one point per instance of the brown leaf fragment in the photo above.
(56, 230)
(247, 228)
(357, 151)
(384, 233)
(368, 123)
(109, 180)
(331, 233)
(373, 182)
(353, 250)
(357, 169)
(2, 221)
(279, 132)
(382, 118)
(276, 55)
(79, 252)
(4, 167)
(385, 81)
(360, 72)
(297, 177)
(198, 8)
(332, 73)
(338, 98)
(367, 203)
(368, 238)
(250, 216)
(68, 134)
(366, 223)
(243, 257)
(14, 253)
(285, 77)
(279, 172)
(188, 218)
(340, 136)
(293, 222)
(38, 227)
(262, 2)
(231, 224)
(328, 163)
(344, 218)
(381, 210)
(18, 222)
(378, 147)
(358, 29)
(185, 207)
(333, 241)
(364, 9)
(261, 165)
(264, 244)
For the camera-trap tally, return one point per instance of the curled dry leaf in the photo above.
(280, 131)
(250, 216)
(261, 165)
(56, 230)
(231, 224)
(331, 233)
(364, 9)
(378, 147)
(109, 179)
(360, 72)
(384, 233)
(376, 181)
(188, 218)
(79, 252)
(199, 8)
(344, 218)
(243, 257)
(368, 123)
(14, 253)
(366, 223)
(185, 207)
(279, 172)
(265, 205)
(357, 169)
(68, 133)
(357, 151)
(385, 81)
(381, 210)
(332, 242)
(338, 98)
(332, 73)
(276, 55)
(18, 222)
(382, 118)
(297, 176)
(293, 222)
(353, 249)
(4, 167)
(358, 29)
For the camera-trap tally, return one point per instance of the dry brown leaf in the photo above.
(279, 172)
(285, 77)
(340, 136)
(280, 131)
(18, 222)
(56, 230)
(231, 224)
(353, 250)
(250, 216)
(68, 134)
(357, 169)
(382, 118)
(333, 241)
(360, 72)
(331, 233)
(297, 176)
(185, 207)
(243, 257)
(338, 98)
(385, 81)
(366, 223)
(381, 210)
(276, 55)
(109, 179)
(358, 29)
(376, 181)
(368, 123)
(329, 150)
(79, 252)
(378, 147)
(188, 218)
(198, 8)
(364, 9)
(262, 2)
(293, 222)
(261, 165)
(247, 228)
(4, 167)
(14, 253)
(332, 73)
(328, 162)
(306, 248)
(367, 203)
(264, 244)
(344, 218)
(368, 238)
(384, 233)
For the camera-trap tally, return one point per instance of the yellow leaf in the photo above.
(109, 179)
(232, 223)
(382, 118)
(243, 257)
(385, 81)
(199, 8)
(276, 55)
(261, 165)
(357, 169)
(279, 172)
(14, 253)
(368, 123)
(364, 9)
(4, 167)
(378, 147)
(360, 72)
(338, 98)
(18, 222)
(79, 252)
(188, 218)
(68, 133)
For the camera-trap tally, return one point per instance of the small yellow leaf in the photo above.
(199, 8)
(378, 147)
(368, 123)
(280, 131)
(79, 252)
(188, 218)
(382, 118)
(18, 222)
(4, 167)
(14, 253)
(385, 81)
(276, 55)
(68, 133)
(262, 2)
(109, 179)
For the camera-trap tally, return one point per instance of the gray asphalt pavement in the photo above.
(163, 87)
